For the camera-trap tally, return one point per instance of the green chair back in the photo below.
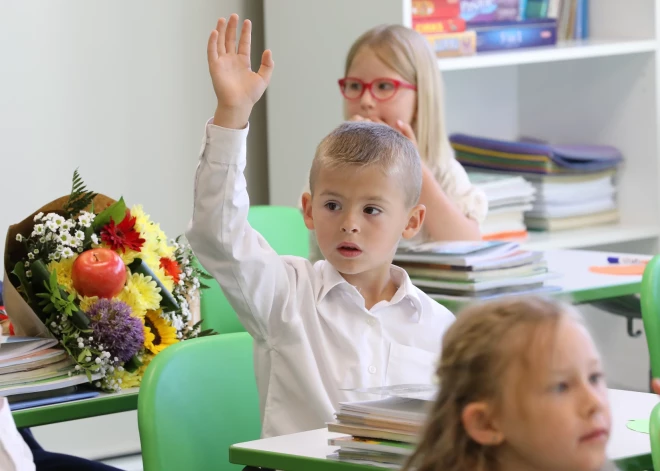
(650, 303)
(654, 433)
(196, 399)
(284, 229)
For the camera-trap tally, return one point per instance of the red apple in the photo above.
(98, 272)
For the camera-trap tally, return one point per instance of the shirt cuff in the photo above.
(223, 145)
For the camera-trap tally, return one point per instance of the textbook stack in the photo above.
(509, 196)
(31, 366)
(574, 184)
(381, 432)
(466, 271)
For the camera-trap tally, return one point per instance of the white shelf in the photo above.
(590, 237)
(569, 50)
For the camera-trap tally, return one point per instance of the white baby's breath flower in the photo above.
(67, 253)
(65, 238)
(38, 230)
(19, 237)
(80, 235)
(58, 220)
(31, 256)
(95, 239)
(28, 273)
(51, 226)
(53, 256)
(38, 216)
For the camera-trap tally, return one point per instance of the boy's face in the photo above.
(359, 215)
(557, 417)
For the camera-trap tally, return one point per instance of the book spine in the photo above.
(490, 10)
(435, 26)
(453, 44)
(436, 9)
(515, 36)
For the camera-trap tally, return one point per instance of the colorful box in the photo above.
(453, 44)
(490, 10)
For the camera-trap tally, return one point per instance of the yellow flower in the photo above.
(163, 333)
(141, 293)
(87, 302)
(154, 236)
(63, 268)
(133, 379)
(167, 280)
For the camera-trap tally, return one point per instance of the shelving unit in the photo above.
(604, 90)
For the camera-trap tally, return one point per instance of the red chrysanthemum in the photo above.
(123, 235)
(171, 268)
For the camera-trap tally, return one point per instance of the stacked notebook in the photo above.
(464, 271)
(30, 365)
(575, 184)
(381, 432)
(509, 196)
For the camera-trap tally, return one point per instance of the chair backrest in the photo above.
(650, 303)
(284, 229)
(654, 433)
(196, 399)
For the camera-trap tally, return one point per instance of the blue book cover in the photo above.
(499, 35)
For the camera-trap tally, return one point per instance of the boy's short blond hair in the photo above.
(363, 144)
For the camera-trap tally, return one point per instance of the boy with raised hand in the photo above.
(350, 321)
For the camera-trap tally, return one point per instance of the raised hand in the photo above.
(237, 88)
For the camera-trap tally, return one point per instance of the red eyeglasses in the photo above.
(381, 88)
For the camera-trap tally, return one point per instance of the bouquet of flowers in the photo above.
(104, 280)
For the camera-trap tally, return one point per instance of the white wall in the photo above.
(119, 89)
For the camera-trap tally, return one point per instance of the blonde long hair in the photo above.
(409, 54)
(477, 351)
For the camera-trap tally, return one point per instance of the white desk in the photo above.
(308, 450)
(581, 285)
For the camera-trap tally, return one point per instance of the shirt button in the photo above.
(372, 369)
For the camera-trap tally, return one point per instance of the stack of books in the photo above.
(465, 27)
(466, 271)
(381, 432)
(31, 365)
(575, 184)
(509, 196)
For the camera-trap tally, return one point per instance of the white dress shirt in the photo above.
(314, 338)
(14, 452)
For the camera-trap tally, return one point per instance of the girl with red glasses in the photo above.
(392, 77)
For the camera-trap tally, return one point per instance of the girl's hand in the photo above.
(236, 86)
(403, 128)
(406, 130)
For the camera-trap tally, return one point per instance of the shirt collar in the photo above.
(330, 278)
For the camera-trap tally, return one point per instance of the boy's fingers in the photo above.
(267, 66)
(212, 48)
(230, 38)
(244, 44)
(220, 41)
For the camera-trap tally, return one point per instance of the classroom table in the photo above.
(308, 450)
(617, 294)
(103, 404)
(577, 284)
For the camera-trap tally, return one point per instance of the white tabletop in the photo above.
(624, 443)
(574, 265)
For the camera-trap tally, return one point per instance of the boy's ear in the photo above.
(307, 210)
(479, 423)
(415, 220)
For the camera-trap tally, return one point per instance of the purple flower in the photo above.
(120, 333)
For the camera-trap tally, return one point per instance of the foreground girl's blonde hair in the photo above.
(477, 351)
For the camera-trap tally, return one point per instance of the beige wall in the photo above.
(119, 89)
